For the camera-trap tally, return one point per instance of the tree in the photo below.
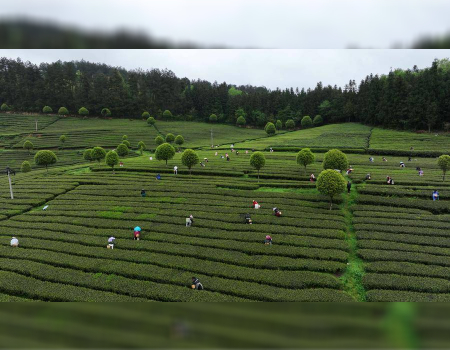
(112, 159)
(330, 183)
(240, 121)
(122, 150)
(127, 143)
(305, 157)
(167, 115)
(47, 109)
(290, 124)
(145, 115)
(98, 153)
(189, 158)
(213, 118)
(170, 138)
(63, 111)
(45, 158)
(141, 147)
(179, 140)
(165, 152)
(28, 145)
(278, 125)
(270, 129)
(105, 112)
(124, 137)
(83, 111)
(306, 121)
(151, 121)
(431, 115)
(258, 160)
(62, 139)
(444, 164)
(87, 155)
(26, 167)
(317, 120)
(335, 159)
(5, 107)
(159, 140)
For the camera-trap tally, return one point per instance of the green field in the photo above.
(380, 243)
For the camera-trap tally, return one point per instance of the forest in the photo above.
(412, 99)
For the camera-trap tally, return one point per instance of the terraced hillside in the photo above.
(379, 243)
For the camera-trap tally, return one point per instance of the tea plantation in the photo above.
(380, 242)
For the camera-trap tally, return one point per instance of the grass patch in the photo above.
(289, 190)
(79, 171)
(121, 209)
(146, 216)
(166, 199)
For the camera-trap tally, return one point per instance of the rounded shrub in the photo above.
(213, 118)
(170, 138)
(335, 159)
(141, 146)
(87, 155)
(167, 114)
(278, 124)
(258, 160)
(306, 121)
(112, 159)
(151, 121)
(305, 157)
(145, 115)
(270, 129)
(63, 111)
(330, 183)
(105, 112)
(122, 150)
(28, 145)
(179, 140)
(240, 121)
(127, 143)
(189, 158)
(47, 109)
(159, 140)
(290, 124)
(5, 107)
(318, 120)
(83, 111)
(26, 167)
(45, 158)
(98, 153)
(165, 152)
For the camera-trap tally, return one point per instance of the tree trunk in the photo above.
(443, 178)
(46, 167)
(258, 176)
(166, 162)
(331, 202)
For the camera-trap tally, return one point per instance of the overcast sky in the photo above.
(270, 68)
(252, 23)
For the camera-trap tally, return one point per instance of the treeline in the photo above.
(402, 99)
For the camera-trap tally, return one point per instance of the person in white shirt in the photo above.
(175, 170)
(14, 242)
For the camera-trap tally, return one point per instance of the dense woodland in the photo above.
(402, 99)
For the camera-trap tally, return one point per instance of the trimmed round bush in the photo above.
(278, 124)
(444, 164)
(335, 159)
(159, 140)
(122, 150)
(26, 167)
(240, 121)
(305, 157)
(151, 121)
(306, 121)
(83, 111)
(170, 138)
(47, 109)
(290, 124)
(5, 107)
(179, 140)
(28, 145)
(330, 183)
(318, 120)
(87, 155)
(145, 115)
(141, 146)
(213, 118)
(189, 158)
(167, 114)
(105, 112)
(127, 143)
(258, 160)
(63, 111)
(62, 138)
(112, 159)
(270, 129)
(125, 137)
(98, 153)
(45, 158)
(165, 152)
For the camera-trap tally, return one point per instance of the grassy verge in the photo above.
(352, 277)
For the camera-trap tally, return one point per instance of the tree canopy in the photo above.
(330, 183)
(305, 157)
(45, 158)
(258, 161)
(165, 152)
(189, 158)
(335, 159)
